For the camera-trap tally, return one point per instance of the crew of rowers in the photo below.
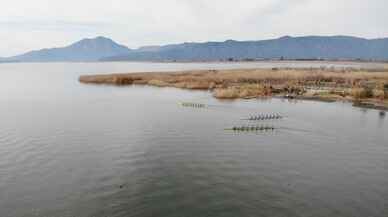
(264, 117)
(194, 105)
(252, 128)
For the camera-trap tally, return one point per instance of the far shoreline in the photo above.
(277, 61)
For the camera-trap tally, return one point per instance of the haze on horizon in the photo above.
(28, 25)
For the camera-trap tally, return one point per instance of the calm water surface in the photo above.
(74, 150)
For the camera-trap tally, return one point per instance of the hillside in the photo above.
(84, 50)
(310, 47)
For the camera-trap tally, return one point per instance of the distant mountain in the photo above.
(6, 60)
(309, 47)
(84, 50)
(148, 48)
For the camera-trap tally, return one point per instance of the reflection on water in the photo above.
(68, 149)
(381, 121)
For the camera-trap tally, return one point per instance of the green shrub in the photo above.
(361, 93)
(385, 87)
(368, 92)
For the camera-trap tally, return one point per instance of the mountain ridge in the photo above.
(88, 49)
(287, 47)
(305, 47)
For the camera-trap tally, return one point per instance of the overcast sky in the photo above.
(34, 24)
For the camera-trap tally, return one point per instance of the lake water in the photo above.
(74, 150)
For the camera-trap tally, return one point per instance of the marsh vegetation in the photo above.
(363, 86)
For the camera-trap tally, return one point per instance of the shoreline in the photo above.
(323, 61)
(367, 88)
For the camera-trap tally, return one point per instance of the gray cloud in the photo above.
(52, 25)
(26, 25)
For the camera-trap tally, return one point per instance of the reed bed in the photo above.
(252, 83)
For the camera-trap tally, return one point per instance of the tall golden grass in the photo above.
(246, 83)
(239, 76)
